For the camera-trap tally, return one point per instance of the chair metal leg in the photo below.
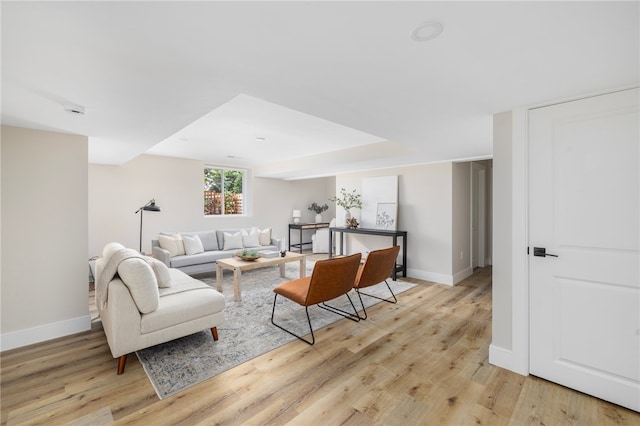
(353, 317)
(306, 308)
(363, 308)
(395, 300)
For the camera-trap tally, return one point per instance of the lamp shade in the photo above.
(151, 207)
(297, 213)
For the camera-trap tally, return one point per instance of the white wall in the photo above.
(116, 192)
(502, 232)
(44, 236)
(424, 211)
(56, 211)
(97, 203)
(461, 221)
(510, 325)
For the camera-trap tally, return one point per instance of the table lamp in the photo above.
(296, 216)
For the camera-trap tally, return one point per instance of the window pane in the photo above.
(233, 192)
(212, 191)
(223, 191)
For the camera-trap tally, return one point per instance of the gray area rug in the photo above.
(247, 331)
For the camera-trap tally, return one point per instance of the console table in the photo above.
(304, 227)
(370, 231)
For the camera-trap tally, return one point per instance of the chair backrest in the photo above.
(378, 267)
(332, 278)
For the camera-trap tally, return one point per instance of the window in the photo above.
(223, 191)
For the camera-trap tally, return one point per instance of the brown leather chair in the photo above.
(330, 279)
(377, 267)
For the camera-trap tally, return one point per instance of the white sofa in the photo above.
(144, 303)
(197, 252)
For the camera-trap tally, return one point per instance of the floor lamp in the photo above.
(150, 207)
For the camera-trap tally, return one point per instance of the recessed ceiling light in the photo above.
(233, 156)
(427, 31)
(260, 139)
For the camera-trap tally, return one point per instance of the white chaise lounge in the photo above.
(143, 303)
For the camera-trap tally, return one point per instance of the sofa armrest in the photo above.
(121, 320)
(162, 255)
(276, 242)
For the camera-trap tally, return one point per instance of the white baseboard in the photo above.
(501, 357)
(459, 276)
(430, 276)
(29, 336)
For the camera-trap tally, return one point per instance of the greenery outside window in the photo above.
(223, 191)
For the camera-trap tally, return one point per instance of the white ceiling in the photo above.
(331, 86)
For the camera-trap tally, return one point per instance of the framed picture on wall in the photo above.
(387, 216)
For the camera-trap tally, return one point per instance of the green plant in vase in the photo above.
(318, 209)
(249, 253)
(348, 201)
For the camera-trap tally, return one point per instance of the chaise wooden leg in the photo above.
(214, 333)
(122, 361)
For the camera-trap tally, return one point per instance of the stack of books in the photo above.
(270, 253)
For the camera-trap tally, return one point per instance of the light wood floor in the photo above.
(423, 361)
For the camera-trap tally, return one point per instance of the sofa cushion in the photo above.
(161, 271)
(201, 302)
(264, 236)
(197, 259)
(192, 244)
(250, 238)
(232, 241)
(110, 249)
(172, 243)
(141, 281)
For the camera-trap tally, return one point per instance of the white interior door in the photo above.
(583, 207)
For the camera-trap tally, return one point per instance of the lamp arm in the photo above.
(141, 211)
(151, 202)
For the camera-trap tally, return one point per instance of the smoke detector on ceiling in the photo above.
(76, 109)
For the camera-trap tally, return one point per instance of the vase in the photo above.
(347, 216)
(318, 218)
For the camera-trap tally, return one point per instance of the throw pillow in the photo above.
(192, 244)
(163, 276)
(264, 236)
(250, 239)
(141, 281)
(232, 241)
(209, 240)
(172, 243)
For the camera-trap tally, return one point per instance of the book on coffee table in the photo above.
(270, 253)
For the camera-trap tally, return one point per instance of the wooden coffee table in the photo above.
(238, 265)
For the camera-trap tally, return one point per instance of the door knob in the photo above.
(542, 252)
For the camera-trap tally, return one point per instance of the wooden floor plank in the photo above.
(423, 360)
